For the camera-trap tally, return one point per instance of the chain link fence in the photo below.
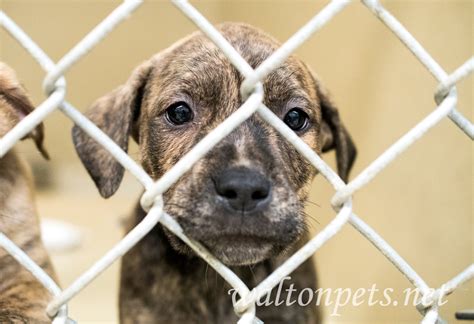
(252, 91)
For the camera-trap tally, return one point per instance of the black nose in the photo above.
(243, 189)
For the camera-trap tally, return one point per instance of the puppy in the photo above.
(22, 298)
(244, 200)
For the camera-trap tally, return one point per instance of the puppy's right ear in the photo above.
(114, 114)
(16, 105)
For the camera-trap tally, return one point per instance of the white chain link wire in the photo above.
(252, 90)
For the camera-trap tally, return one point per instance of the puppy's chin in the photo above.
(232, 250)
(240, 250)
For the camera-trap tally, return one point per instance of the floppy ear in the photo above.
(335, 136)
(15, 105)
(114, 114)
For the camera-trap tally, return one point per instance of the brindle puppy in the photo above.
(244, 200)
(22, 298)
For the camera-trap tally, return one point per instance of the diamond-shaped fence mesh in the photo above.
(252, 90)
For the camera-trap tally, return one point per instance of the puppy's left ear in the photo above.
(335, 135)
(16, 105)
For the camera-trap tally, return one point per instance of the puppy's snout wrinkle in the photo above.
(243, 190)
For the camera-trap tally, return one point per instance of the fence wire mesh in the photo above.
(55, 88)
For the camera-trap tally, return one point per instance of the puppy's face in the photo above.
(15, 105)
(244, 200)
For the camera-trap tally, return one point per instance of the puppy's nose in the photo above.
(243, 189)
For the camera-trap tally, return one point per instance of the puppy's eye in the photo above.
(296, 119)
(179, 113)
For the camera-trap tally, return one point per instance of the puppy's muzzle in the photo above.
(242, 190)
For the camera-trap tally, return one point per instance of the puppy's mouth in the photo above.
(239, 250)
(240, 241)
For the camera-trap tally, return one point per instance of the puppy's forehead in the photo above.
(198, 68)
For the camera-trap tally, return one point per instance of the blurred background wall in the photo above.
(422, 204)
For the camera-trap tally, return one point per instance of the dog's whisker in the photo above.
(215, 278)
(309, 226)
(313, 203)
(312, 218)
(251, 271)
(205, 276)
(305, 214)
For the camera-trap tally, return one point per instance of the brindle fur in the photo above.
(22, 298)
(162, 281)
